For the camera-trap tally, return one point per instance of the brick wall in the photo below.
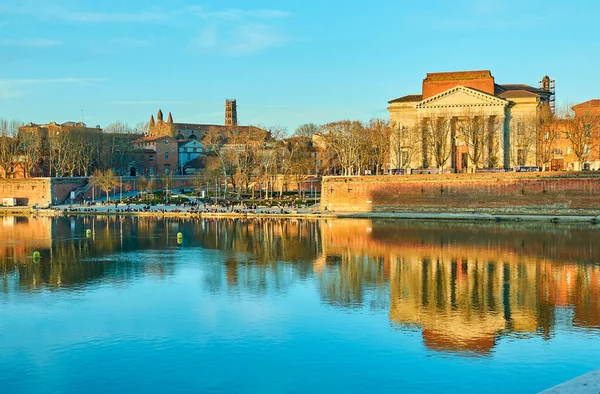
(27, 191)
(567, 193)
(438, 82)
(43, 191)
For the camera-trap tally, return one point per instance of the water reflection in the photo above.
(463, 286)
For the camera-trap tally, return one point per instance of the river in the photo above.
(286, 305)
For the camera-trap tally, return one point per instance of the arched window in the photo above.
(557, 151)
(193, 137)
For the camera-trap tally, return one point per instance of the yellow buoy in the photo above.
(36, 257)
(88, 233)
(179, 235)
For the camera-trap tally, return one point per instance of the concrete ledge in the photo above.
(586, 384)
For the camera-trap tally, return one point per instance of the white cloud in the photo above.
(241, 40)
(237, 14)
(35, 42)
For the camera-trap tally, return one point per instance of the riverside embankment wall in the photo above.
(519, 193)
(43, 191)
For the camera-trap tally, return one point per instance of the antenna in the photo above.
(82, 116)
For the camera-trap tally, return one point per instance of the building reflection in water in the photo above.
(463, 286)
(466, 285)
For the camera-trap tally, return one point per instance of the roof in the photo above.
(588, 104)
(411, 98)
(513, 86)
(517, 94)
(145, 151)
(458, 75)
(197, 162)
(151, 138)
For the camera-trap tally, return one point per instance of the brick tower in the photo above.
(231, 113)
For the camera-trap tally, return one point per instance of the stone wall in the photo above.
(531, 193)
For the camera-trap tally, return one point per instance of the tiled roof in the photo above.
(506, 87)
(588, 104)
(151, 138)
(411, 98)
(517, 94)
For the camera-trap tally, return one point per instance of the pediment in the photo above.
(460, 96)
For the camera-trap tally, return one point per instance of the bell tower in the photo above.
(231, 113)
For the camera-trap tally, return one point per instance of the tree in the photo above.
(580, 131)
(480, 134)
(405, 142)
(60, 152)
(348, 142)
(105, 180)
(307, 130)
(86, 146)
(548, 131)
(8, 154)
(438, 132)
(523, 139)
(30, 150)
(378, 133)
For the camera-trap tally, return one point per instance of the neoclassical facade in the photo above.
(463, 121)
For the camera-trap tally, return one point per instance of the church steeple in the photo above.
(152, 123)
(159, 116)
(170, 119)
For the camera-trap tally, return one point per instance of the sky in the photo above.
(286, 62)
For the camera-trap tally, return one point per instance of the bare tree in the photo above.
(405, 143)
(347, 140)
(580, 133)
(8, 154)
(548, 131)
(30, 149)
(378, 132)
(438, 138)
(524, 135)
(307, 130)
(472, 132)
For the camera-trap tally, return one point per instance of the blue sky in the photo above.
(286, 62)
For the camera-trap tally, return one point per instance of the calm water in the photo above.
(295, 306)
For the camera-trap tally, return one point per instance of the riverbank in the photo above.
(308, 213)
(585, 384)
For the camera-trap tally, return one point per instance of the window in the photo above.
(587, 130)
(569, 150)
(166, 155)
(547, 136)
(166, 142)
(520, 129)
(557, 151)
(404, 158)
(172, 149)
(159, 149)
(150, 158)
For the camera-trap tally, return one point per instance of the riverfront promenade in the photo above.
(305, 212)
